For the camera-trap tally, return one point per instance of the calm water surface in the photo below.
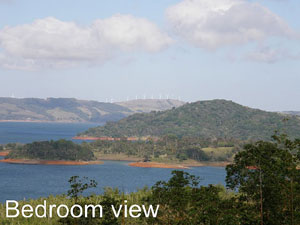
(29, 132)
(33, 181)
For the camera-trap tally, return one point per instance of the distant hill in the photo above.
(148, 105)
(73, 110)
(208, 119)
(295, 113)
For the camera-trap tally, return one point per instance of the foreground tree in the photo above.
(182, 201)
(266, 175)
(79, 185)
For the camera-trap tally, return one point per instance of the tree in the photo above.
(182, 201)
(78, 186)
(107, 218)
(173, 197)
(266, 175)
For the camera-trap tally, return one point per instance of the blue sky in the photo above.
(240, 50)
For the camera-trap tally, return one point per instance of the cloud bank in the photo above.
(50, 42)
(211, 24)
(206, 24)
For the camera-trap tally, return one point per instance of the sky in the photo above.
(247, 51)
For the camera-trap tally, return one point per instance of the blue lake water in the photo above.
(29, 132)
(33, 181)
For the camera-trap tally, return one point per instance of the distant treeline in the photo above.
(171, 147)
(166, 148)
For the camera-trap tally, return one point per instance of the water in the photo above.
(33, 181)
(23, 132)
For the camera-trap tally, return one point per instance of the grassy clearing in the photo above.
(220, 153)
(117, 157)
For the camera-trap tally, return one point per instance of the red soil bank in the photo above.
(156, 165)
(49, 162)
(4, 153)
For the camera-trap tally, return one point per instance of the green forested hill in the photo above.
(208, 119)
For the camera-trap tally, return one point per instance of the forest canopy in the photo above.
(53, 150)
(205, 119)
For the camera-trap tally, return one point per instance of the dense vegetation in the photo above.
(170, 148)
(52, 150)
(205, 119)
(263, 188)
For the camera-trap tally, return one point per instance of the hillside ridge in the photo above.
(74, 110)
(208, 119)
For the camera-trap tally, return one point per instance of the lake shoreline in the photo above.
(49, 162)
(133, 161)
(212, 164)
(156, 165)
(4, 153)
(47, 121)
(177, 166)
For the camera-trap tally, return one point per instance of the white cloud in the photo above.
(50, 42)
(211, 24)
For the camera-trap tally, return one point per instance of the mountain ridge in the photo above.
(70, 110)
(209, 119)
(295, 113)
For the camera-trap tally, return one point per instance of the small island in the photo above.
(61, 152)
